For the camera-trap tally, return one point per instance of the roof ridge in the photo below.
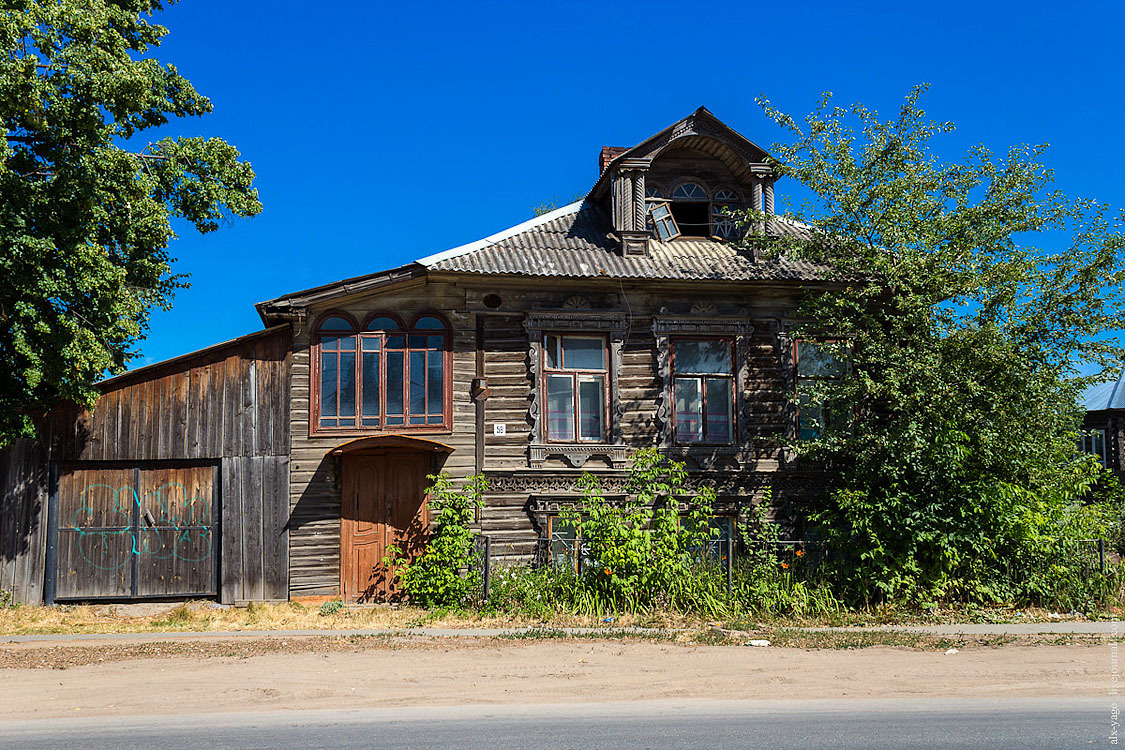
(493, 239)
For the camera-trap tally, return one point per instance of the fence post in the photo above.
(730, 565)
(487, 566)
(1101, 554)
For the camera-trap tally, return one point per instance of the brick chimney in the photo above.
(609, 153)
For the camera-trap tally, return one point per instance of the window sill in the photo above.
(576, 454)
(416, 430)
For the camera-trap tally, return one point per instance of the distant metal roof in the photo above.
(1105, 396)
(574, 242)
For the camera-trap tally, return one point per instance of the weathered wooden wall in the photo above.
(314, 475)
(227, 405)
(512, 515)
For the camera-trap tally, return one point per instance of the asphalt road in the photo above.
(868, 725)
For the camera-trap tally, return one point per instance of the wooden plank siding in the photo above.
(509, 516)
(314, 474)
(208, 407)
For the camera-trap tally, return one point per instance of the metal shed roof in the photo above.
(1105, 396)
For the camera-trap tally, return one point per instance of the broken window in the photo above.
(693, 212)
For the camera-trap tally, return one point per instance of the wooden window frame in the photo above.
(799, 379)
(546, 372)
(360, 332)
(1086, 443)
(731, 377)
(714, 207)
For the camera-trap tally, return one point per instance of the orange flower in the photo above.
(785, 565)
(608, 572)
(800, 552)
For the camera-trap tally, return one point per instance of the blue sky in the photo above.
(382, 133)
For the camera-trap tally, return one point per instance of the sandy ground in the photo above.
(493, 672)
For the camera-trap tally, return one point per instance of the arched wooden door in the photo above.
(383, 504)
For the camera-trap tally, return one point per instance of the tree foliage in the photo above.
(85, 222)
(969, 298)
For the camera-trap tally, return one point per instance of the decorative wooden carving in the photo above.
(704, 307)
(785, 343)
(576, 302)
(615, 325)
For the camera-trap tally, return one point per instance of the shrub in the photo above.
(443, 575)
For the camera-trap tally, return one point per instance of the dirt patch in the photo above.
(266, 674)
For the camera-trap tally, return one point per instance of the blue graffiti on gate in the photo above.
(172, 525)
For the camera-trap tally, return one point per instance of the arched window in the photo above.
(385, 376)
(723, 203)
(689, 191)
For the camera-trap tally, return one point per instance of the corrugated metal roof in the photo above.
(573, 242)
(1105, 396)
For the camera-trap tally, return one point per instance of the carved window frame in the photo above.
(614, 326)
(665, 328)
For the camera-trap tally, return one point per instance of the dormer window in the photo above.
(693, 211)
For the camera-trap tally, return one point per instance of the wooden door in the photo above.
(129, 533)
(383, 504)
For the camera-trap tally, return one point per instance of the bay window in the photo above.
(703, 390)
(381, 376)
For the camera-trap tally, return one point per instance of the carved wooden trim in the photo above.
(613, 324)
(576, 454)
(664, 327)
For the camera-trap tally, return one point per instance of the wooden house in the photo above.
(1104, 426)
(282, 463)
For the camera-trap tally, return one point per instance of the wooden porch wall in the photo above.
(226, 405)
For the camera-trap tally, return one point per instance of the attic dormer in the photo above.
(680, 183)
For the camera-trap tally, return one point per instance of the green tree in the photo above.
(953, 442)
(85, 222)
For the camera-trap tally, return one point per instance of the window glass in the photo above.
(816, 361)
(725, 195)
(560, 407)
(653, 191)
(347, 384)
(690, 191)
(417, 387)
(703, 356)
(551, 346)
(435, 386)
(689, 408)
(1093, 442)
(591, 408)
(335, 324)
(663, 222)
(382, 324)
(583, 353)
(428, 321)
(369, 386)
(395, 372)
(718, 406)
(328, 375)
(723, 222)
(810, 412)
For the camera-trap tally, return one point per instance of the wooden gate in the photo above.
(383, 503)
(134, 533)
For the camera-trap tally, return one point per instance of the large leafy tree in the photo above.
(86, 205)
(970, 300)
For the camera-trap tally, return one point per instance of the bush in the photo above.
(443, 575)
